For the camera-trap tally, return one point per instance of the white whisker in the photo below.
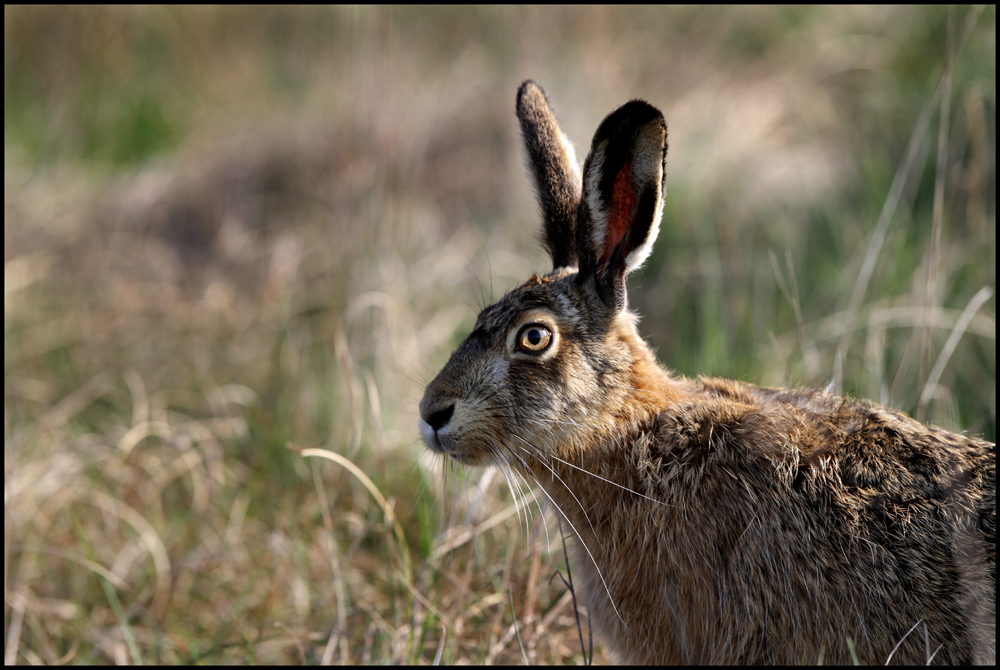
(603, 479)
(580, 537)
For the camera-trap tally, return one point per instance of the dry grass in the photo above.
(230, 230)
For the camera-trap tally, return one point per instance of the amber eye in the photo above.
(534, 338)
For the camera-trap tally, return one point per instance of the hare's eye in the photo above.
(534, 338)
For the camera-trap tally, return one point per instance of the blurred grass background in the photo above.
(230, 229)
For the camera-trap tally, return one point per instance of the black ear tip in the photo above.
(634, 118)
(639, 103)
(639, 113)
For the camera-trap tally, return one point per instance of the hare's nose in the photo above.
(439, 419)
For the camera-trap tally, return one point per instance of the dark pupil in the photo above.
(534, 336)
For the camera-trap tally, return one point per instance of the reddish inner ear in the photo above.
(621, 205)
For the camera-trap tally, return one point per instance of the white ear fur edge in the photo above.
(571, 165)
(638, 256)
(592, 194)
(647, 160)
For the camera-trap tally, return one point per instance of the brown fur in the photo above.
(718, 522)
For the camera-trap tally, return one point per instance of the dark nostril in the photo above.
(440, 418)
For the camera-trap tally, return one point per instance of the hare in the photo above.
(716, 521)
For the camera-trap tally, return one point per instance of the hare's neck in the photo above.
(588, 488)
(652, 389)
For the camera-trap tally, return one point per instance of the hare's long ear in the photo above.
(623, 184)
(556, 174)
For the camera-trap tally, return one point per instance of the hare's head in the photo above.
(556, 367)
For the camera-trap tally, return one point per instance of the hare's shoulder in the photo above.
(794, 434)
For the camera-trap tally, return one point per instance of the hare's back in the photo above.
(869, 476)
(859, 448)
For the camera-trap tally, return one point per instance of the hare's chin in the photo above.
(467, 459)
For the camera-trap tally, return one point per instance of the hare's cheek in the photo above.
(577, 379)
(577, 386)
